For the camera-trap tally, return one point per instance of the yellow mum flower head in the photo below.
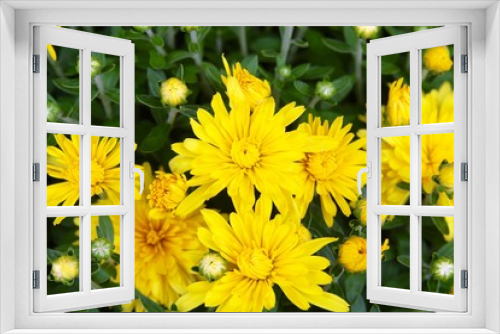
(397, 111)
(173, 92)
(444, 200)
(447, 176)
(330, 172)
(367, 32)
(360, 210)
(242, 152)
(166, 192)
(65, 269)
(263, 252)
(165, 251)
(243, 87)
(438, 59)
(352, 253)
(63, 162)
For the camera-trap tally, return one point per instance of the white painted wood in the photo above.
(86, 297)
(414, 43)
(324, 14)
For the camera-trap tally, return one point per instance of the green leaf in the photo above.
(212, 72)
(107, 229)
(157, 40)
(389, 68)
(106, 69)
(317, 72)
(300, 70)
(251, 63)
(337, 46)
(441, 225)
(149, 304)
(100, 276)
(344, 85)
(269, 53)
(354, 284)
(404, 260)
(155, 139)
(177, 55)
(375, 308)
(302, 87)
(156, 60)
(300, 43)
(446, 250)
(71, 86)
(154, 80)
(150, 101)
(350, 36)
(53, 254)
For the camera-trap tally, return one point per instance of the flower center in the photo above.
(167, 191)
(321, 165)
(153, 238)
(255, 263)
(245, 153)
(96, 177)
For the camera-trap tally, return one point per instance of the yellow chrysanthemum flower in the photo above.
(242, 151)
(263, 253)
(444, 200)
(244, 88)
(438, 59)
(352, 253)
(63, 162)
(360, 210)
(397, 111)
(330, 173)
(446, 176)
(52, 52)
(173, 92)
(166, 192)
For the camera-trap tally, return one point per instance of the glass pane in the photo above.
(62, 255)
(396, 252)
(395, 89)
(437, 253)
(63, 85)
(437, 85)
(105, 171)
(105, 73)
(395, 170)
(105, 250)
(437, 167)
(63, 170)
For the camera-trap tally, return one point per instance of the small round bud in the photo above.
(142, 28)
(65, 269)
(285, 71)
(212, 266)
(367, 32)
(189, 29)
(442, 269)
(325, 90)
(173, 92)
(95, 66)
(102, 249)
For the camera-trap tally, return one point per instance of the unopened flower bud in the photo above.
(285, 71)
(442, 269)
(65, 269)
(95, 66)
(325, 90)
(173, 92)
(212, 266)
(102, 249)
(367, 32)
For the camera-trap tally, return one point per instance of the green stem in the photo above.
(218, 42)
(313, 102)
(106, 104)
(358, 62)
(171, 37)
(286, 41)
(242, 36)
(158, 49)
(172, 115)
(198, 60)
(301, 31)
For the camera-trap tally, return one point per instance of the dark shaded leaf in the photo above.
(155, 139)
(317, 72)
(150, 101)
(350, 36)
(302, 87)
(337, 45)
(149, 304)
(300, 70)
(404, 260)
(155, 78)
(251, 63)
(177, 55)
(107, 229)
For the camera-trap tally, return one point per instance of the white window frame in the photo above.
(85, 43)
(482, 316)
(414, 44)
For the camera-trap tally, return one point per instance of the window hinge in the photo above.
(464, 173)
(36, 63)
(465, 64)
(36, 172)
(464, 279)
(36, 279)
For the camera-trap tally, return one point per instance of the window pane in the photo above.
(63, 170)
(105, 250)
(437, 168)
(395, 252)
(63, 85)
(105, 171)
(63, 265)
(105, 73)
(437, 85)
(395, 170)
(395, 89)
(437, 254)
